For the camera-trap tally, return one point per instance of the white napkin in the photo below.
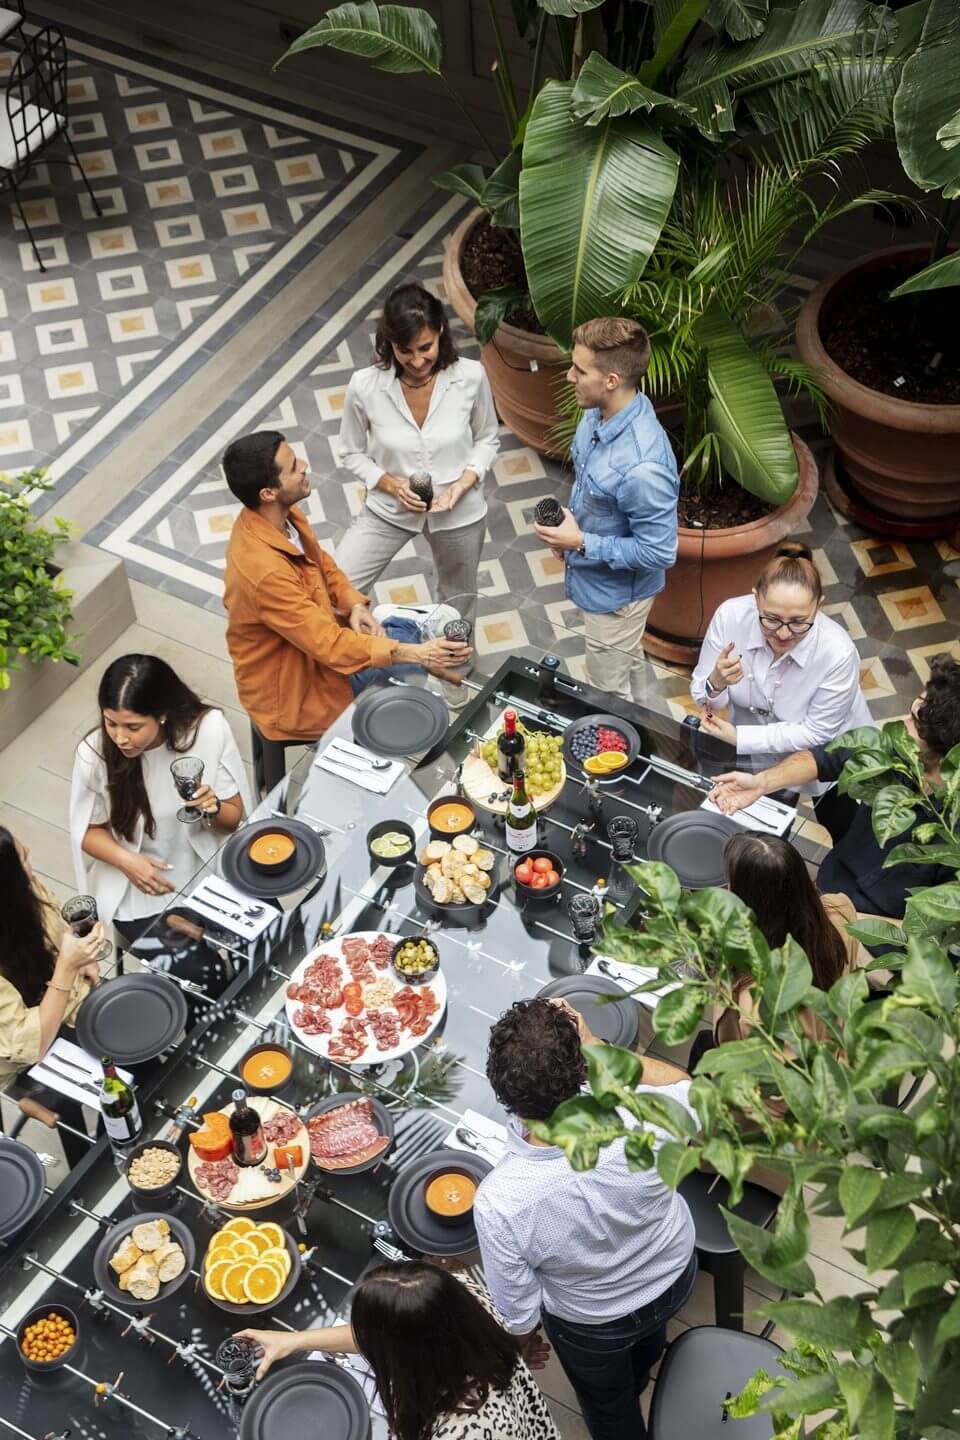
(490, 1136)
(628, 977)
(378, 781)
(212, 891)
(765, 814)
(78, 1060)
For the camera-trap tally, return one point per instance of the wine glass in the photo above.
(187, 773)
(623, 833)
(81, 914)
(584, 911)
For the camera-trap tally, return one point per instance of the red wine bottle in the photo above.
(249, 1145)
(510, 748)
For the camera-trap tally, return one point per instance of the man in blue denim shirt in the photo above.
(620, 534)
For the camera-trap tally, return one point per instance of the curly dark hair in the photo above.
(534, 1060)
(938, 716)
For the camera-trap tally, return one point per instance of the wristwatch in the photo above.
(582, 550)
(211, 815)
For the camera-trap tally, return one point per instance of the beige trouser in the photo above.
(372, 542)
(615, 658)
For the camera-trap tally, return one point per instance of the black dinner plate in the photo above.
(296, 1268)
(382, 1119)
(107, 1279)
(237, 867)
(399, 719)
(616, 1022)
(313, 1397)
(692, 844)
(408, 1213)
(21, 1184)
(615, 723)
(131, 1018)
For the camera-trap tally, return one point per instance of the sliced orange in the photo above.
(232, 1282)
(239, 1226)
(273, 1233)
(258, 1240)
(279, 1257)
(262, 1284)
(213, 1278)
(244, 1248)
(222, 1244)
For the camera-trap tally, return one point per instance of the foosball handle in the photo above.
(35, 1111)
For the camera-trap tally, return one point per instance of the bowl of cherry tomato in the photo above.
(539, 875)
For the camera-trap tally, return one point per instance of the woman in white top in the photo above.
(444, 1366)
(123, 801)
(419, 408)
(788, 675)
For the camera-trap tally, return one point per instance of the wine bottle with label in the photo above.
(510, 748)
(249, 1144)
(118, 1106)
(521, 818)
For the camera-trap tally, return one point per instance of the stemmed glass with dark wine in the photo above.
(187, 775)
(81, 914)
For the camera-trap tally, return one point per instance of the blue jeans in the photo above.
(609, 1364)
(407, 631)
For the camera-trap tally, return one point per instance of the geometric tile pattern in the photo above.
(198, 188)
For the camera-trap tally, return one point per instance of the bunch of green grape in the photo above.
(543, 762)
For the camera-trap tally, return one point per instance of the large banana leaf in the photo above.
(796, 39)
(592, 204)
(397, 38)
(603, 90)
(673, 20)
(569, 7)
(927, 102)
(742, 19)
(938, 276)
(755, 444)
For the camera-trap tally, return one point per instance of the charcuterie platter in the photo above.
(345, 1002)
(544, 770)
(248, 1187)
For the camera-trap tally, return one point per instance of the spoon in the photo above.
(467, 1138)
(356, 762)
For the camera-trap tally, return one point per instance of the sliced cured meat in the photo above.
(381, 950)
(386, 1028)
(217, 1178)
(281, 1128)
(346, 1136)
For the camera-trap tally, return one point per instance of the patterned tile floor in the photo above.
(199, 189)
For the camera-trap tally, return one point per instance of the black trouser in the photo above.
(609, 1364)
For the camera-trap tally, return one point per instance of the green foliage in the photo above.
(34, 606)
(884, 1362)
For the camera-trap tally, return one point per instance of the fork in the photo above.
(388, 1251)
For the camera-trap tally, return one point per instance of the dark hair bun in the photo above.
(795, 550)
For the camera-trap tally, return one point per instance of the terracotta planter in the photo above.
(524, 370)
(902, 458)
(713, 565)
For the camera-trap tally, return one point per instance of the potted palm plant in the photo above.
(882, 332)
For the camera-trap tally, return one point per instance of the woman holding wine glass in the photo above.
(46, 972)
(128, 794)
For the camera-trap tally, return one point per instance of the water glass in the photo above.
(584, 911)
(187, 774)
(623, 833)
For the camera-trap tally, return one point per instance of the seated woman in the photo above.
(788, 675)
(45, 974)
(445, 1368)
(123, 802)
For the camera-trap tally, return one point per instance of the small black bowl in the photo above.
(546, 892)
(162, 1191)
(63, 1312)
(465, 1216)
(272, 1088)
(280, 866)
(427, 974)
(384, 827)
(451, 835)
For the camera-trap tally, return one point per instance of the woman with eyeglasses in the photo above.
(787, 675)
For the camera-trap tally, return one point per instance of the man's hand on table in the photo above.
(734, 791)
(565, 536)
(363, 622)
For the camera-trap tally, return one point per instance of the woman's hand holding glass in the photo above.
(275, 1344)
(204, 799)
(78, 957)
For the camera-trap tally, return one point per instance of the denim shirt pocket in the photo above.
(598, 498)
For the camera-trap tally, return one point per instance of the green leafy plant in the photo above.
(34, 606)
(884, 1361)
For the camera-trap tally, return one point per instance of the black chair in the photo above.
(269, 759)
(702, 1368)
(35, 115)
(716, 1251)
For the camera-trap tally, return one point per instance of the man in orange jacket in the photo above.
(297, 630)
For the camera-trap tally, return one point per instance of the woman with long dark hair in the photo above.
(770, 876)
(45, 970)
(123, 804)
(420, 408)
(444, 1366)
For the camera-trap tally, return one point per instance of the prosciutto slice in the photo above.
(346, 1136)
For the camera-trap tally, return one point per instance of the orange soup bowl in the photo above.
(449, 816)
(266, 1068)
(449, 1196)
(272, 851)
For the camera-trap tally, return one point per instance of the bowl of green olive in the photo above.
(415, 960)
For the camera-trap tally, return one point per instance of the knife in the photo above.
(200, 899)
(80, 1084)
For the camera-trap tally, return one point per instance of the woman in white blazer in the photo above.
(419, 408)
(123, 802)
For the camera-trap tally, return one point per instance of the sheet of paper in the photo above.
(489, 1137)
(770, 816)
(74, 1061)
(628, 977)
(211, 896)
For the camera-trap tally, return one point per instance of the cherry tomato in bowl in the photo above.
(538, 875)
(524, 872)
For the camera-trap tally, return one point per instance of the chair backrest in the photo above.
(37, 88)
